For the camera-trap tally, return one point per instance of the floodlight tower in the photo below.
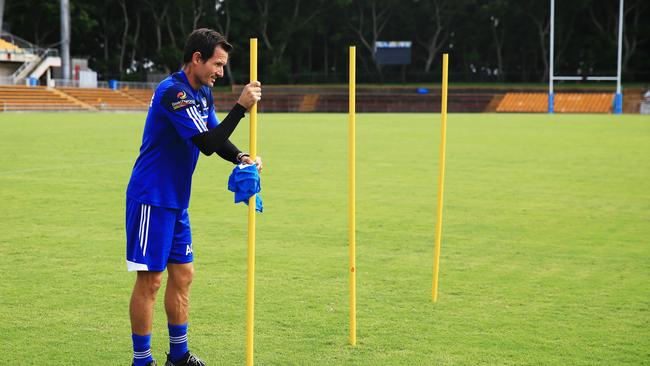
(2, 12)
(618, 98)
(65, 38)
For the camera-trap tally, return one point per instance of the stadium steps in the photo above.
(523, 102)
(141, 95)
(35, 98)
(144, 103)
(411, 102)
(104, 99)
(309, 102)
(270, 102)
(223, 102)
(73, 100)
(465, 101)
(494, 103)
(564, 102)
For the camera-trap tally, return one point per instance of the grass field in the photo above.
(545, 251)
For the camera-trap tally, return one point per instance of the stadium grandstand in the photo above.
(34, 77)
(22, 62)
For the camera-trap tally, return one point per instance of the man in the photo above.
(181, 122)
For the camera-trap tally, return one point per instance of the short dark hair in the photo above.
(204, 41)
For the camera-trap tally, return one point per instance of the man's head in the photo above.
(205, 55)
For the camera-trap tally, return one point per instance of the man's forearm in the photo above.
(229, 152)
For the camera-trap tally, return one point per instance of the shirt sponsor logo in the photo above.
(181, 95)
(183, 103)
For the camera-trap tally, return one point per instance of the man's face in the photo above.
(212, 68)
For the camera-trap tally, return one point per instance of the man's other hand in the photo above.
(251, 94)
(258, 161)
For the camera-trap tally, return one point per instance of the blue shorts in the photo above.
(156, 236)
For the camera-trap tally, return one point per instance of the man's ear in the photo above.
(196, 56)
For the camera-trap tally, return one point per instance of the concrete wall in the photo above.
(8, 68)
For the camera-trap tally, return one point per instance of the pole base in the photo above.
(618, 103)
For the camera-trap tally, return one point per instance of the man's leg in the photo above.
(177, 302)
(143, 299)
(149, 235)
(180, 272)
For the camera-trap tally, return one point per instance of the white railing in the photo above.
(66, 83)
(136, 85)
(69, 83)
(19, 51)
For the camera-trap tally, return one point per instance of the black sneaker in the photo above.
(151, 363)
(187, 360)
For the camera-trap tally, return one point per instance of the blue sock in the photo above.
(141, 349)
(177, 341)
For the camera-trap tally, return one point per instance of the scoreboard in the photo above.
(393, 53)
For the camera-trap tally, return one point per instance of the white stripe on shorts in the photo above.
(146, 232)
(141, 221)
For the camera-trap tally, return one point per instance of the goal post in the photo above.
(618, 97)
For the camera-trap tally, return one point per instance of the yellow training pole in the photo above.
(351, 198)
(441, 177)
(250, 283)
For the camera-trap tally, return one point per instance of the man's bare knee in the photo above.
(181, 275)
(149, 282)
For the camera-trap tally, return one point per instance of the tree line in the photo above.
(306, 41)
